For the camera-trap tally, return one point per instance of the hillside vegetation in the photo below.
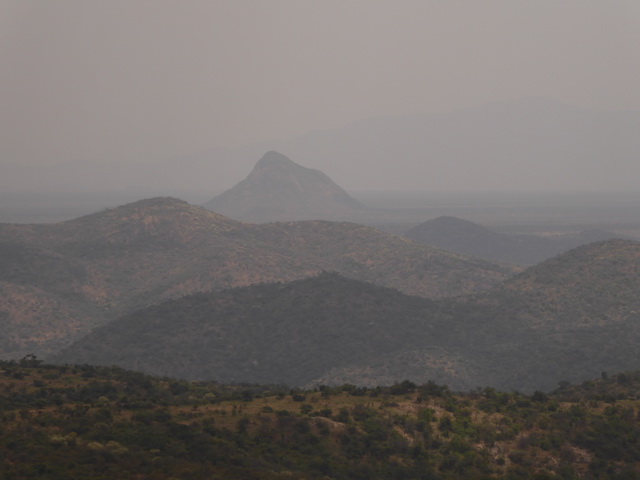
(80, 422)
(58, 281)
(274, 333)
(566, 320)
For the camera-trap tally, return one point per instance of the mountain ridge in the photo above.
(333, 330)
(106, 264)
(469, 238)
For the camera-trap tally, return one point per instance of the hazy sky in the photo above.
(125, 80)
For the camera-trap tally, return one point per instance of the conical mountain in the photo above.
(279, 189)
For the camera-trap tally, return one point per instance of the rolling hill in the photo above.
(61, 280)
(273, 333)
(468, 238)
(567, 319)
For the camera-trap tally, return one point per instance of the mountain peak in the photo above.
(157, 206)
(163, 219)
(278, 189)
(274, 159)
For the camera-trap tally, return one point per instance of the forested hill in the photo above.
(81, 422)
(57, 281)
(541, 328)
(595, 284)
(566, 319)
(273, 333)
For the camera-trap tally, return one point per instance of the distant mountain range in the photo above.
(568, 319)
(573, 315)
(58, 281)
(280, 190)
(457, 235)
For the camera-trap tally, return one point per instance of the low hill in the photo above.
(578, 314)
(552, 323)
(468, 238)
(279, 189)
(594, 285)
(551, 318)
(567, 319)
(71, 276)
(274, 333)
(89, 422)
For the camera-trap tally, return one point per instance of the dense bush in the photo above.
(86, 422)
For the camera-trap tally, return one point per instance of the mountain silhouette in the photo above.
(468, 238)
(279, 189)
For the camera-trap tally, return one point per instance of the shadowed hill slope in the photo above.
(567, 319)
(549, 324)
(103, 265)
(273, 333)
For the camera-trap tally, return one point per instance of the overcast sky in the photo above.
(125, 80)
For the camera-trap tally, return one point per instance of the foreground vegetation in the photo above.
(85, 422)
